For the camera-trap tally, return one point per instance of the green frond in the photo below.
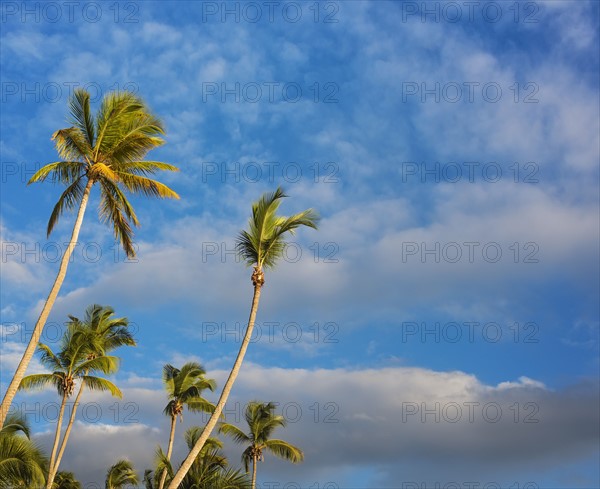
(145, 168)
(104, 363)
(146, 186)
(100, 384)
(59, 171)
(79, 104)
(116, 209)
(14, 423)
(169, 373)
(48, 359)
(38, 381)
(68, 200)
(22, 462)
(263, 243)
(231, 430)
(200, 405)
(120, 475)
(126, 128)
(71, 144)
(284, 450)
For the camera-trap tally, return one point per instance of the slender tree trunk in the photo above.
(187, 463)
(169, 451)
(254, 472)
(63, 444)
(51, 470)
(39, 326)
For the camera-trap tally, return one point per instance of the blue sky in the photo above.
(453, 156)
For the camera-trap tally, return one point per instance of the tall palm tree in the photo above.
(261, 246)
(66, 480)
(184, 387)
(262, 421)
(22, 462)
(106, 333)
(68, 366)
(106, 149)
(120, 475)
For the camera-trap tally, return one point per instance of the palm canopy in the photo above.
(107, 149)
(184, 387)
(66, 480)
(263, 243)
(106, 332)
(262, 422)
(120, 475)
(22, 462)
(210, 469)
(75, 359)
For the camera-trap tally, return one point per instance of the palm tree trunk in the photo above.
(39, 326)
(254, 472)
(51, 469)
(63, 444)
(189, 460)
(169, 451)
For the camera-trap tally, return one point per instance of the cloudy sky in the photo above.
(440, 329)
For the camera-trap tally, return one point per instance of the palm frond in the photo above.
(38, 381)
(68, 200)
(146, 186)
(231, 430)
(284, 450)
(83, 119)
(59, 172)
(115, 209)
(100, 384)
(71, 144)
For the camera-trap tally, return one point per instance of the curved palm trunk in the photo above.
(39, 326)
(254, 472)
(51, 469)
(189, 460)
(63, 444)
(169, 451)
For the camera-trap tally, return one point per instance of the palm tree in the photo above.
(260, 246)
(68, 366)
(184, 388)
(120, 475)
(209, 471)
(107, 149)
(22, 462)
(106, 333)
(262, 421)
(66, 480)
